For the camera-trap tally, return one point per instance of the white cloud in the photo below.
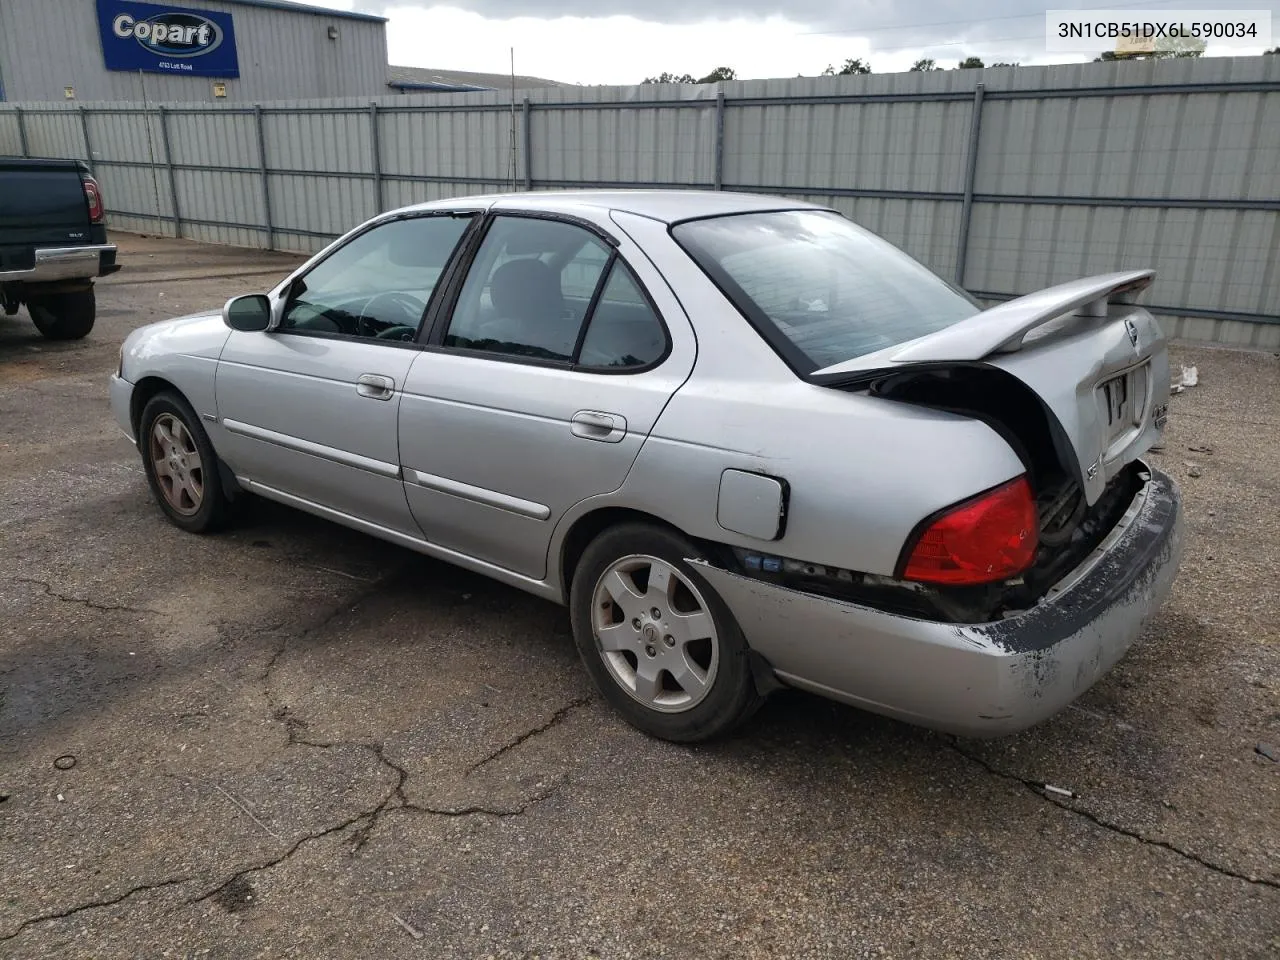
(605, 50)
(625, 48)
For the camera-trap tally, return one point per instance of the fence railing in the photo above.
(1005, 180)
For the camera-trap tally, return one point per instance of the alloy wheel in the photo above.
(655, 633)
(178, 468)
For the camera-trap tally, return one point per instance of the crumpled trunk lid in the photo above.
(1098, 363)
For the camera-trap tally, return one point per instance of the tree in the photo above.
(1185, 47)
(1276, 50)
(970, 63)
(854, 67)
(670, 78)
(925, 66)
(715, 76)
(1004, 64)
(850, 68)
(718, 74)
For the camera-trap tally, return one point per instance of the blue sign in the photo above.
(162, 39)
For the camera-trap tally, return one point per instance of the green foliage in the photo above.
(718, 74)
(853, 67)
(715, 76)
(670, 78)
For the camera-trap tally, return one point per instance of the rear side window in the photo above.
(820, 288)
(529, 289)
(547, 290)
(624, 332)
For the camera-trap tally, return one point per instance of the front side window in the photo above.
(822, 289)
(378, 285)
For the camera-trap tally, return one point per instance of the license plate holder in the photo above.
(1123, 400)
(1115, 396)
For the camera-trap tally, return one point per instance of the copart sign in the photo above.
(163, 39)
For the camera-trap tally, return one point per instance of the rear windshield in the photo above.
(820, 288)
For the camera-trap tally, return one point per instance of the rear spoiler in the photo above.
(1004, 327)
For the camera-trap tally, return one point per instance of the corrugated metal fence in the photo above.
(1006, 179)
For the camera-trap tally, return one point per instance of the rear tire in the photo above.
(181, 465)
(683, 673)
(63, 316)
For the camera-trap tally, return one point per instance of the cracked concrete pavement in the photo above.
(291, 740)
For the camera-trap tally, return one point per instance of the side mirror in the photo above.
(250, 313)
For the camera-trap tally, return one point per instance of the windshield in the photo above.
(820, 288)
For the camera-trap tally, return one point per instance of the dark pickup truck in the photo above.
(53, 243)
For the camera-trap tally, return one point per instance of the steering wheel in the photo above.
(411, 307)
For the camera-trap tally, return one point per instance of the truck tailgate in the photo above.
(41, 204)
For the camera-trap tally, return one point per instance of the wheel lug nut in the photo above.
(635, 624)
(656, 613)
(651, 651)
(669, 640)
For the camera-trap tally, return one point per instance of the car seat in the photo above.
(530, 307)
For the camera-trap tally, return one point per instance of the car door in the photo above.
(309, 408)
(543, 379)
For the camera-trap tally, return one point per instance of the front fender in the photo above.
(182, 352)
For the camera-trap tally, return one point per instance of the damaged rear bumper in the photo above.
(974, 680)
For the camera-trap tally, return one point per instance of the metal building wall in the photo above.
(47, 45)
(1006, 180)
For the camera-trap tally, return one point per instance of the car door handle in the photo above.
(375, 386)
(593, 425)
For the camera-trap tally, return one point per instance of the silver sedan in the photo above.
(746, 442)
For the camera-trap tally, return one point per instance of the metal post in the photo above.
(377, 155)
(719, 161)
(970, 173)
(266, 179)
(173, 176)
(84, 130)
(22, 131)
(528, 144)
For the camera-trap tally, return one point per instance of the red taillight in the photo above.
(992, 537)
(93, 193)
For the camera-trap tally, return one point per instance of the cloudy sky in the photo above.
(624, 41)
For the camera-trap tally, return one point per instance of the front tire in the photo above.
(64, 316)
(181, 465)
(660, 644)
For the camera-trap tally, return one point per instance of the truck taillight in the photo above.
(988, 538)
(93, 193)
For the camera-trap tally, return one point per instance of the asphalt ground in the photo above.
(293, 740)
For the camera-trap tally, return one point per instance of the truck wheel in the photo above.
(63, 316)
